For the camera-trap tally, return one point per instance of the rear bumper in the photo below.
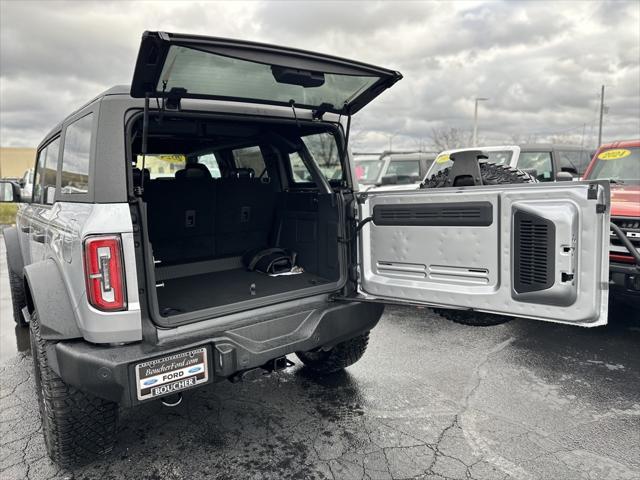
(624, 280)
(108, 371)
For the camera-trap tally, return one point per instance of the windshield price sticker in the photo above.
(442, 159)
(171, 374)
(614, 154)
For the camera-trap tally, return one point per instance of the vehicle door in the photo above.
(535, 251)
(40, 212)
(23, 222)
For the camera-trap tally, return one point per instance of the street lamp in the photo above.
(475, 120)
(391, 137)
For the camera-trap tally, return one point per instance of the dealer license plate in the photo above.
(171, 374)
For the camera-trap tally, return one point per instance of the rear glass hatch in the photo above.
(222, 69)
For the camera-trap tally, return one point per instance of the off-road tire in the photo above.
(77, 426)
(18, 300)
(337, 358)
(475, 319)
(492, 174)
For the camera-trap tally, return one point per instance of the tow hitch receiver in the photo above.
(271, 366)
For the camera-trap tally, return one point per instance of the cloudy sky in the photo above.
(540, 63)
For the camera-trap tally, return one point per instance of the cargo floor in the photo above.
(197, 292)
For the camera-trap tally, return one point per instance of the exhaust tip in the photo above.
(172, 400)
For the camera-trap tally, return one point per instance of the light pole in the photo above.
(475, 120)
(601, 115)
(391, 137)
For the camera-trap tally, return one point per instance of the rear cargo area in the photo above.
(199, 261)
(203, 218)
(197, 292)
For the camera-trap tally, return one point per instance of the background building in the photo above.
(15, 161)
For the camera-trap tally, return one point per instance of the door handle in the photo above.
(24, 229)
(38, 237)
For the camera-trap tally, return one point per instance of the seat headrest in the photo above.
(241, 173)
(137, 176)
(194, 170)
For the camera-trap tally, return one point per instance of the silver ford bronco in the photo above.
(204, 223)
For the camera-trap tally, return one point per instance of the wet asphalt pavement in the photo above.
(430, 399)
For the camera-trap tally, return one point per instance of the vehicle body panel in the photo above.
(625, 213)
(426, 251)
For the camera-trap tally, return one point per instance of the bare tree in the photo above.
(518, 138)
(446, 138)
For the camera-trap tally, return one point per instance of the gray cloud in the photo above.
(540, 63)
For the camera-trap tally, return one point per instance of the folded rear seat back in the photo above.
(181, 216)
(244, 213)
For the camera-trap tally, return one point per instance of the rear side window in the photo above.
(76, 156)
(251, 158)
(538, 163)
(211, 162)
(50, 171)
(299, 170)
(323, 149)
(37, 178)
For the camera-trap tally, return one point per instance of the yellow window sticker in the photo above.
(614, 154)
(442, 158)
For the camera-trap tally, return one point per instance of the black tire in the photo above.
(475, 319)
(77, 426)
(337, 358)
(18, 300)
(492, 174)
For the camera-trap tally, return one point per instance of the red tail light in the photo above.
(104, 272)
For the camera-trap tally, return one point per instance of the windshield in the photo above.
(442, 161)
(204, 73)
(367, 171)
(620, 164)
(405, 168)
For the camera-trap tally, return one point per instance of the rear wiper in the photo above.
(619, 182)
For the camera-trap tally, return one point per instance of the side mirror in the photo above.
(389, 180)
(9, 192)
(564, 177)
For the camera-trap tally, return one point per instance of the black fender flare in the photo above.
(15, 262)
(47, 294)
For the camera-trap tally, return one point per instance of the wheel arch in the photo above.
(47, 294)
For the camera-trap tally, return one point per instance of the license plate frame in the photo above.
(172, 373)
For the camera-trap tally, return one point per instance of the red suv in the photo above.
(620, 163)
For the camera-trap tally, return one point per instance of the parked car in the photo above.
(138, 285)
(26, 184)
(391, 168)
(545, 162)
(619, 162)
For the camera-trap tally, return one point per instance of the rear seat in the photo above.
(181, 215)
(244, 213)
(194, 217)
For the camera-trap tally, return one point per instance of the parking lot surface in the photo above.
(430, 399)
